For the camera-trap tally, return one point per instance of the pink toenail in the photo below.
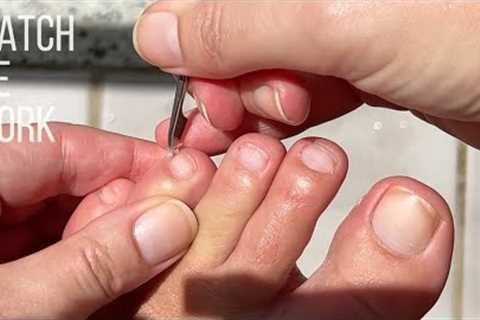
(404, 222)
(252, 157)
(318, 158)
(182, 166)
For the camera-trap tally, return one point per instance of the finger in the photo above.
(109, 197)
(331, 98)
(277, 95)
(198, 134)
(389, 259)
(201, 135)
(79, 161)
(113, 255)
(237, 189)
(278, 232)
(218, 39)
(224, 39)
(208, 39)
(219, 102)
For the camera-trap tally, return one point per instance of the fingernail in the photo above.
(165, 231)
(252, 157)
(268, 100)
(318, 158)
(404, 222)
(203, 110)
(156, 39)
(182, 166)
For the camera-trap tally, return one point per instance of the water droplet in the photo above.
(377, 126)
(403, 124)
(110, 118)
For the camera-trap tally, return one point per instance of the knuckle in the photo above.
(97, 270)
(210, 26)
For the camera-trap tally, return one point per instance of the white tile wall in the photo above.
(68, 94)
(134, 108)
(471, 292)
(379, 143)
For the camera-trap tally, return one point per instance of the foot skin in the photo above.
(389, 259)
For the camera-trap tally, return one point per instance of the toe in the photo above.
(389, 259)
(237, 189)
(184, 176)
(106, 199)
(276, 235)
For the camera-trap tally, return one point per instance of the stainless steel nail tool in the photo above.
(177, 120)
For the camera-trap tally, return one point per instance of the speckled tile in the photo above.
(103, 33)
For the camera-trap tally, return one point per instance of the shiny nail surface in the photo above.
(165, 231)
(156, 38)
(252, 158)
(318, 158)
(404, 222)
(182, 166)
(268, 100)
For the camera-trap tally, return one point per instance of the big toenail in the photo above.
(182, 166)
(252, 157)
(318, 158)
(404, 222)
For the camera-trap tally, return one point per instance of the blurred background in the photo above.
(104, 84)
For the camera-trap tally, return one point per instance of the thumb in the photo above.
(396, 51)
(223, 39)
(113, 255)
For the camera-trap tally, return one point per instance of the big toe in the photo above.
(389, 259)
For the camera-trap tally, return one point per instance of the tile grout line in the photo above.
(95, 100)
(459, 256)
(470, 206)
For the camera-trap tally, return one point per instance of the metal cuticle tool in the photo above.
(177, 120)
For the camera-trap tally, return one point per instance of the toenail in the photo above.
(404, 222)
(182, 166)
(252, 157)
(165, 231)
(318, 158)
(108, 194)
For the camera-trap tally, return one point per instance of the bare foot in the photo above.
(389, 259)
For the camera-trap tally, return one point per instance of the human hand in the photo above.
(420, 56)
(41, 185)
(389, 259)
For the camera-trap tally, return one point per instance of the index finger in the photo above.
(80, 160)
